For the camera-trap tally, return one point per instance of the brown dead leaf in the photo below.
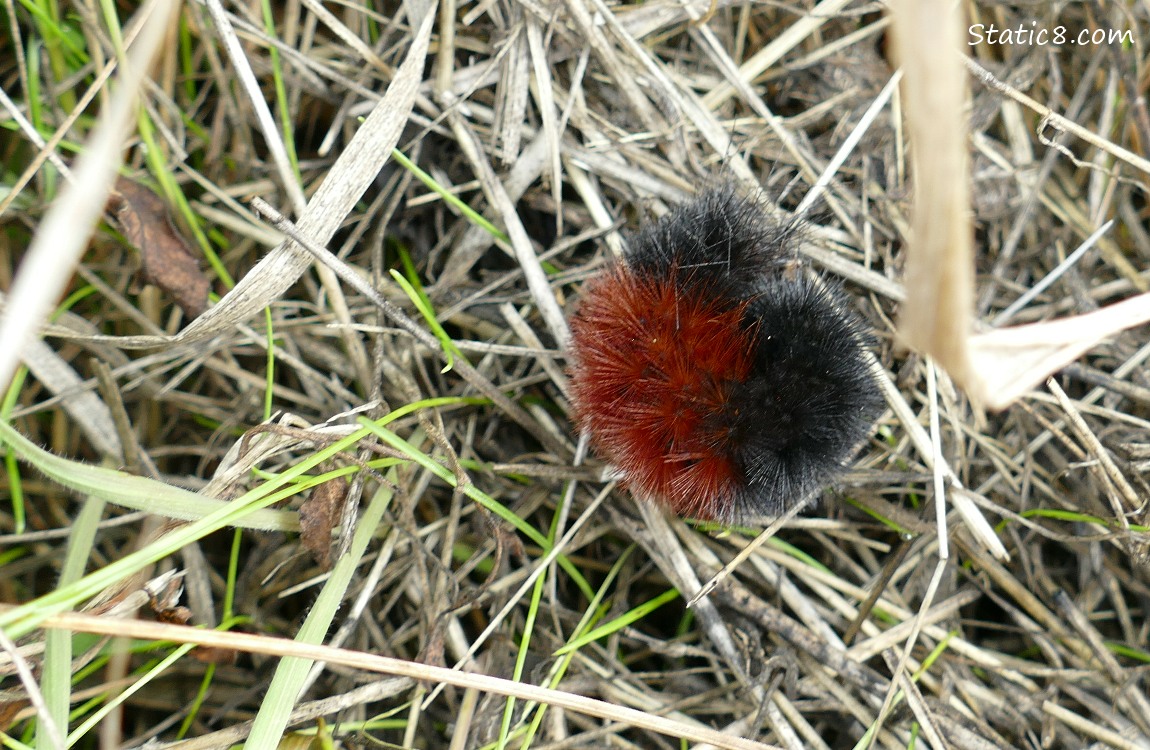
(175, 615)
(166, 258)
(164, 594)
(215, 655)
(9, 711)
(318, 516)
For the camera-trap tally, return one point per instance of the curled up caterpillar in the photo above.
(714, 374)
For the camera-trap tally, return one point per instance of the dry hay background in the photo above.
(632, 103)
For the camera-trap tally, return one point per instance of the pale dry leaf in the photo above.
(936, 318)
(1008, 362)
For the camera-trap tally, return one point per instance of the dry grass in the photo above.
(450, 517)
